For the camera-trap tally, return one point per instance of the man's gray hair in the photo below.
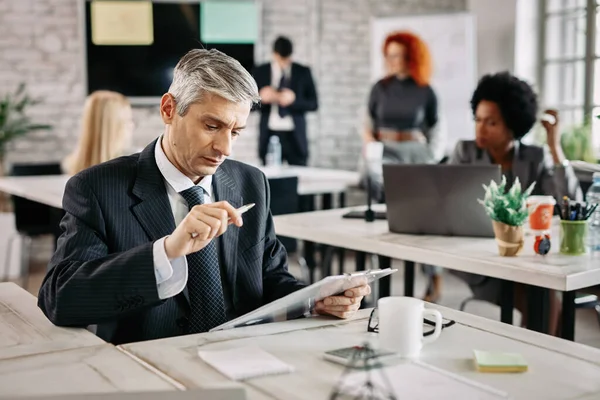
(210, 71)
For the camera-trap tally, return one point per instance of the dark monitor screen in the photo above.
(147, 71)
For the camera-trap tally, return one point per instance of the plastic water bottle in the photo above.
(273, 157)
(593, 197)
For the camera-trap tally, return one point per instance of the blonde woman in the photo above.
(106, 130)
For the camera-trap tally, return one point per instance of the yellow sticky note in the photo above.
(122, 23)
(486, 361)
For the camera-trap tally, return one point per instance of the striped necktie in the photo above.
(204, 278)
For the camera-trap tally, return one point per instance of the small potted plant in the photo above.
(508, 211)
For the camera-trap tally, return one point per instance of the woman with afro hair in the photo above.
(505, 109)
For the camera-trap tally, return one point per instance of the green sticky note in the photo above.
(228, 22)
(487, 361)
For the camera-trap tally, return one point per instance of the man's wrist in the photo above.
(166, 248)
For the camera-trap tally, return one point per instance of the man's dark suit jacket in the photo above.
(302, 85)
(102, 271)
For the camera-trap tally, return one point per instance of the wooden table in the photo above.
(312, 182)
(93, 369)
(558, 369)
(49, 189)
(25, 330)
(475, 255)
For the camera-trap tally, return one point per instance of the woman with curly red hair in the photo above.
(402, 106)
(403, 115)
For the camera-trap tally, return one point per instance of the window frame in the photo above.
(589, 57)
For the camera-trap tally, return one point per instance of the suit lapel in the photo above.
(226, 190)
(153, 212)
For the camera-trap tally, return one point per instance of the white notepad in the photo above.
(243, 363)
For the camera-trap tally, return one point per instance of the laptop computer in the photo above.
(438, 199)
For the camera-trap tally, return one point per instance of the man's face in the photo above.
(201, 140)
(283, 62)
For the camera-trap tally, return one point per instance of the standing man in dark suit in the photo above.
(287, 92)
(153, 244)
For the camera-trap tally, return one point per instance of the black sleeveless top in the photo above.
(402, 105)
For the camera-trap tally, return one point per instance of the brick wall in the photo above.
(40, 44)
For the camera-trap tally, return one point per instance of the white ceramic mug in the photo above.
(401, 325)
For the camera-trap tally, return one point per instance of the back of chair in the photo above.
(32, 218)
(285, 200)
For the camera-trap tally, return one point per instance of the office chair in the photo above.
(32, 219)
(285, 200)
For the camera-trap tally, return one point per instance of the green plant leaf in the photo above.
(508, 207)
(14, 122)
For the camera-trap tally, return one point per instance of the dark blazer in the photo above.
(302, 85)
(102, 271)
(530, 164)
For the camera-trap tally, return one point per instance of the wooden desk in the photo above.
(25, 330)
(49, 189)
(475, 255)
(558, 369)
(95, 369)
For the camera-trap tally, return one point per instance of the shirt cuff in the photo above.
(171, 275)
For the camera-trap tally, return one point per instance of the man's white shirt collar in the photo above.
(174, 177)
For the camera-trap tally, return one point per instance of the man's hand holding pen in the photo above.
(202, 224)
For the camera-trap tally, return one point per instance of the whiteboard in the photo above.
(451, 41)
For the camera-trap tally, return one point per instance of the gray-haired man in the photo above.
(152, 243)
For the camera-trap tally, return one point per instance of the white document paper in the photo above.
(243, 363)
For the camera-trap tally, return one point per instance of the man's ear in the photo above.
(168, 108)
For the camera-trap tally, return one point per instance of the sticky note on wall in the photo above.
(228, 22)
(124, 23)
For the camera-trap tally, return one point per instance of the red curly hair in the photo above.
(417, 52)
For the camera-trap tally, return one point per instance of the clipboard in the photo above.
(302, 301)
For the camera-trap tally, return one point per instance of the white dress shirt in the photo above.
(276, 123)
(172, 275)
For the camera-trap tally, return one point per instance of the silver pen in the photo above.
(241, 210)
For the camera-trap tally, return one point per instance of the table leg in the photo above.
(327, 260)
(409, 278)
(327, 205)
(538, 307)
(327, 201)
(568, 316)
(385, 283)
(342, 251)
(342, 200)
(361, 261)
(507, 302)
(307, 204)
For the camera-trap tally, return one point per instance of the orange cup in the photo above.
(541, 209)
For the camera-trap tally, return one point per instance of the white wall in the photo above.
(496, 22)
(40, 45)
(526, 40)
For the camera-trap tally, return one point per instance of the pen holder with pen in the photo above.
(573, 236)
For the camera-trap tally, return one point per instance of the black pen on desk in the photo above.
(558, 211)
(565, 208)
(578, 212)
(590, 211)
